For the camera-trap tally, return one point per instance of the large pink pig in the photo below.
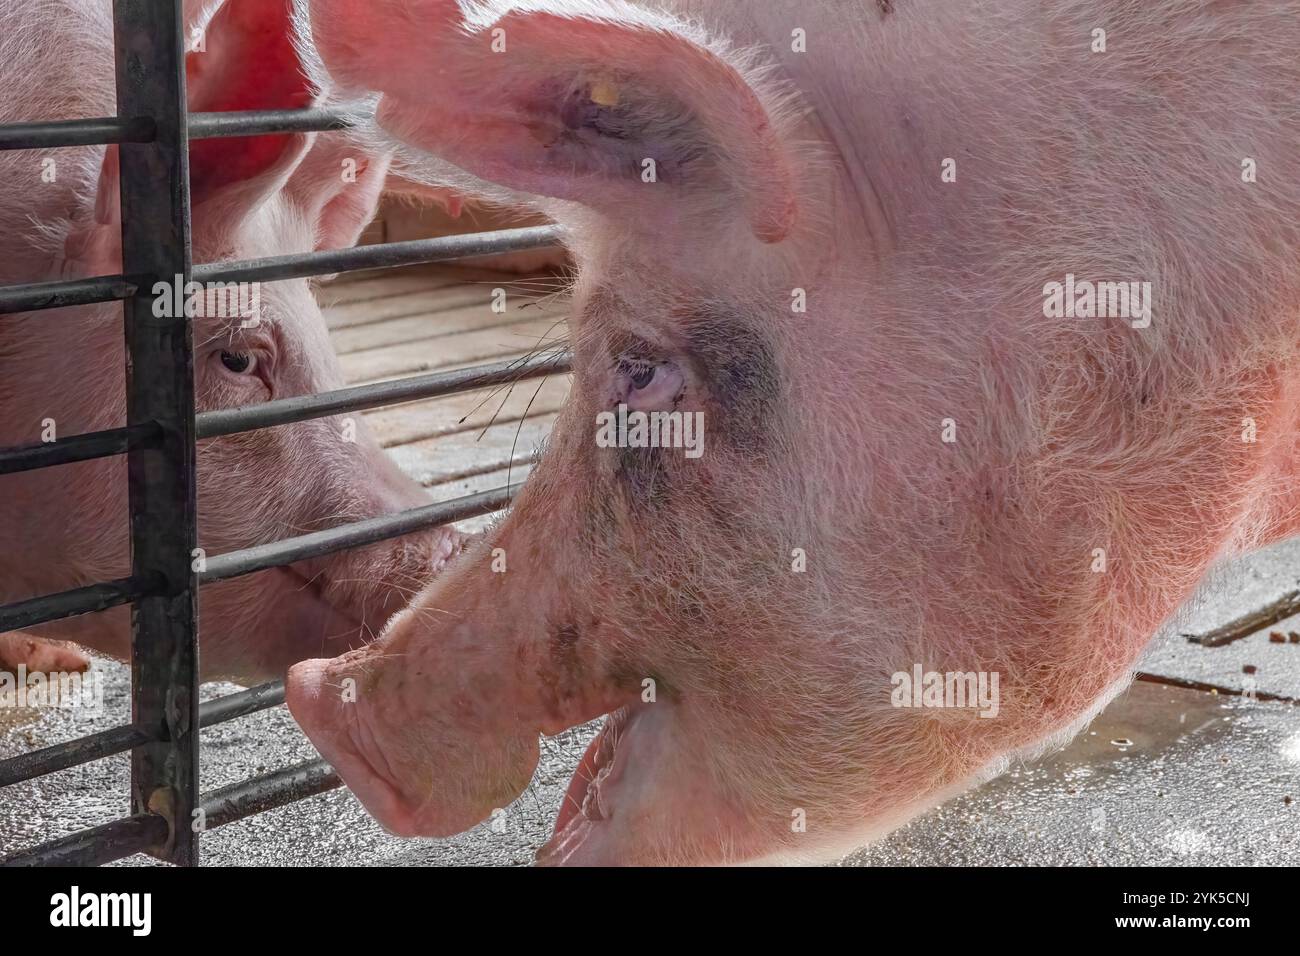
(990, 311)
(62, 373)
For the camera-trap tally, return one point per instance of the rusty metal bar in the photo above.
(267, 792)
(65, 451)
(39, 296)
(97, 845)
(73, 753)
(84, 600)
(149, 39)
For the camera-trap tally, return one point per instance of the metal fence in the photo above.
(153, 128)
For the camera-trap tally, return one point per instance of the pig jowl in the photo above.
(911, 464)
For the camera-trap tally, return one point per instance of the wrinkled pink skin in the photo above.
(823, 429)
(66, 527)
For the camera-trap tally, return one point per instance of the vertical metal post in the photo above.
(160, 388)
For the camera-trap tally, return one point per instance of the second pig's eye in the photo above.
(241, 363)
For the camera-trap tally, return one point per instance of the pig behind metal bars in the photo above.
(61, 373)
(940, 465)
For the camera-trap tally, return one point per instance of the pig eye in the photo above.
(241, 363)
(649, 387)
(642, 377)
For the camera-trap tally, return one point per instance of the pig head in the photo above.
(61, 373)
(827, 233)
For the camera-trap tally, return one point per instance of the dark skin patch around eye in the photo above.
(739, 363)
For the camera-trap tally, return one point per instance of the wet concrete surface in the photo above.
(1163, 776)
(1234, 589)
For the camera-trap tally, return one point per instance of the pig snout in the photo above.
(455, 666)
(435, 725)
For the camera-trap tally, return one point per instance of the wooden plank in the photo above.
(336, 294)
(507, 444)
(333, 294)
(467, 412)
(437, 353)
(377, 283)
(415, 328)
(434, 301)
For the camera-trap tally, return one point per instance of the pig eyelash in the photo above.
(239, 363)
(649, 385)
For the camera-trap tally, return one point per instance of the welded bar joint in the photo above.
(64, 293)
(65, 451)
(106, 743)
(83, 600)
(96, 845)
(97, 131)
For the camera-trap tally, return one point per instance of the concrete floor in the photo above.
(1164, 776)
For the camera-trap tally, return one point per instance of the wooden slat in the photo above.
(389, 325)
(435, 301)
(417, 328)
(461, 455)
(483, 345)
(471, 411)
(362, 286)
(331, 295)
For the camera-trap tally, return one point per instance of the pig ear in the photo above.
(566, 105)
(338, 187)
(94, 248)
(246, 60)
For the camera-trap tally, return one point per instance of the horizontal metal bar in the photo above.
(93, 597)
(358, 534)
(35, 296)
(77, 132)
(122, 838)
(65, 451)
(232, 706)
(101, 131)
(262, 122)
(96, 845)
(72, 753)
(118, 740)
(248, 797)
(384, 256)
(229, 421)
